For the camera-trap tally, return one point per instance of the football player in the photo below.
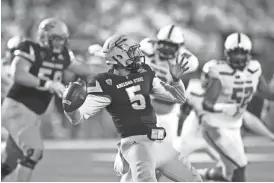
(232, 83)
(191, 138)
(167, 48)
(37, 71)
(6, 83)
(125, 92)
(6, 79)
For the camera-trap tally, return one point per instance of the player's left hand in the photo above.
(178, 69)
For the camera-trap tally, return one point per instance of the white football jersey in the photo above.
(238, 87)
(161, 68)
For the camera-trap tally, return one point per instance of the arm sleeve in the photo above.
(26, 51)
(173, 93)
(93, 104)
(95, 100)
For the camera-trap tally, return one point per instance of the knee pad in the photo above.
(31, 158)
(239, 175)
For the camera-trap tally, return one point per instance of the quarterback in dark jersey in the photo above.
(37, 71)
(125, 92)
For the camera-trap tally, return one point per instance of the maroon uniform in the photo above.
(130, 105)
(45, 65)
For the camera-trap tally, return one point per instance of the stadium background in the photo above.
(206, 23)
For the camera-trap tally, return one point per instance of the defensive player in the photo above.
(167, 48)
(191, 138)
(232, 83)
(37, 71)
(125, 92)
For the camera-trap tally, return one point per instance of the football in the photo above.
(74, 96)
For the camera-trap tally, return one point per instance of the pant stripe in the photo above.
(220, 150)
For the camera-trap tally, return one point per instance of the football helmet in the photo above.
(120, 50)
(169, 40)
(238, 48)
(53, 33)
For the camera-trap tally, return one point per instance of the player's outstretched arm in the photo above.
(174, 92)
(264, 90)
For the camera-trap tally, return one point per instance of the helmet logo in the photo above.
(49, 26)
(119, 43)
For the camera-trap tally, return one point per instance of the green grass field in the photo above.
(92, 161)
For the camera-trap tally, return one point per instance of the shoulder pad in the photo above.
(148, 46)
(209, 64)
(147, 68)
(26, 50)
(222, 68)
(94, 85)
(254, 66)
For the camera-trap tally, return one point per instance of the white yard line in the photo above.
(102, 144)
(194, 158)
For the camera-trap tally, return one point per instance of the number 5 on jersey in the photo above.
(138, 101)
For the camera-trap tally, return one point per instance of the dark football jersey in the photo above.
(45, 65)
(130, 105)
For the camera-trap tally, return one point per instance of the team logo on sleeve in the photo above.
(109, 82)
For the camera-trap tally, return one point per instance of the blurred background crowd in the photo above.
(206, 23)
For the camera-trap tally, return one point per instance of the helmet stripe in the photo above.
(239, 38)
(170, 31)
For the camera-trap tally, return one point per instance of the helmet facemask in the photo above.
(57, 43)
(238, 58)
(136, 58)
(167, 50)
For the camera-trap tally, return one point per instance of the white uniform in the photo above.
(191, 136)
(222, 131)
(167, 113)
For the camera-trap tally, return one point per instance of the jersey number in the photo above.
(242, 95)
(45, 73)
(138, 101)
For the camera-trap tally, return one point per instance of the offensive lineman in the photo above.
(125, 92)
(232, 83)
(37, 71)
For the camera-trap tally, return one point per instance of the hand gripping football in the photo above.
(74, 95)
